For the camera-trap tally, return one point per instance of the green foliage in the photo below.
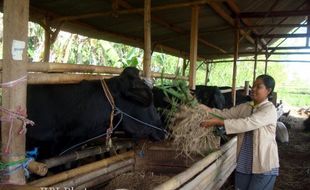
(180, 93)
(130, 59)
(177, 95)
(35, 40)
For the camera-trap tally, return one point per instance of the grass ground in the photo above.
(295, 97)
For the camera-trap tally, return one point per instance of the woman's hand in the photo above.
(211, 122)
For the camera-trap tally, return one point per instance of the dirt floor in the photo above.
(136, 181)
(295, 160)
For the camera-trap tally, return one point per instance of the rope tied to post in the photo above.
(20, 114)
(11, 116)
(11, 167)
(112, 103)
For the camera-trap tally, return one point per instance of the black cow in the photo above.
(68, 114)
(240, 97)
(207, 95)
(306, 124)
(210, 96)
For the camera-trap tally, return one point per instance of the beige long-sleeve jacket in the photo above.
(263, 124)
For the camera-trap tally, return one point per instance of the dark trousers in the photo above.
(254, 181)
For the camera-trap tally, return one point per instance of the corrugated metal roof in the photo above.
(170, 27)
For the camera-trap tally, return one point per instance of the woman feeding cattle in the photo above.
(255, 125)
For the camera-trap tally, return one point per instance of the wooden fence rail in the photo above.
(62, 73)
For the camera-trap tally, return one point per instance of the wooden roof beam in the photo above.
(155, 18)
(139, 10)
(259, 53)
(284, 19)
(283, 35)
(230, 20)
(288, 48)
(36, 16)
(308, 23)
(275, 26)
(274, 14)
(235, 8)
(171, 27)
(259, 60)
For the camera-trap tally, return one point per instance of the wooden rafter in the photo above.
(36, 16)
(220, 11)
(235, 8)
(139, 10)
(288, 48)
(259, 60)
(274, 14)
(284, 19)
(283, 36)
(275, 26)
(172, 27)
(259, 53)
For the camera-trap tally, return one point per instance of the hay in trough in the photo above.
(136, 181)
(188, 137)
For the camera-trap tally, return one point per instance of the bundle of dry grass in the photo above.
(188, 137)
(136, 181)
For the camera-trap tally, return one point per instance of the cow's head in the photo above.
(135, 100)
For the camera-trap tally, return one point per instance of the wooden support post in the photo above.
(184, 66)
(147, 39)
(47, 45)
(308, 28)
(236, 49)
(207, 73)
(266, 61)
(193, 47)
(50, 37)
(15, 33)
(255, 61)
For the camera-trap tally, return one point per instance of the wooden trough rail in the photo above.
(81, 179)
(77, 155)
(63, 176)
(104, 178)
(198, 172)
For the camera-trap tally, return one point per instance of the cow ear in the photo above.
(143, 96)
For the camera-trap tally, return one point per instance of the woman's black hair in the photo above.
(268, 81)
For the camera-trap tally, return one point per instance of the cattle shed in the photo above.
(194, 30)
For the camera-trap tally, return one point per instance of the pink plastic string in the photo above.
(10, 118)
(13, 82)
